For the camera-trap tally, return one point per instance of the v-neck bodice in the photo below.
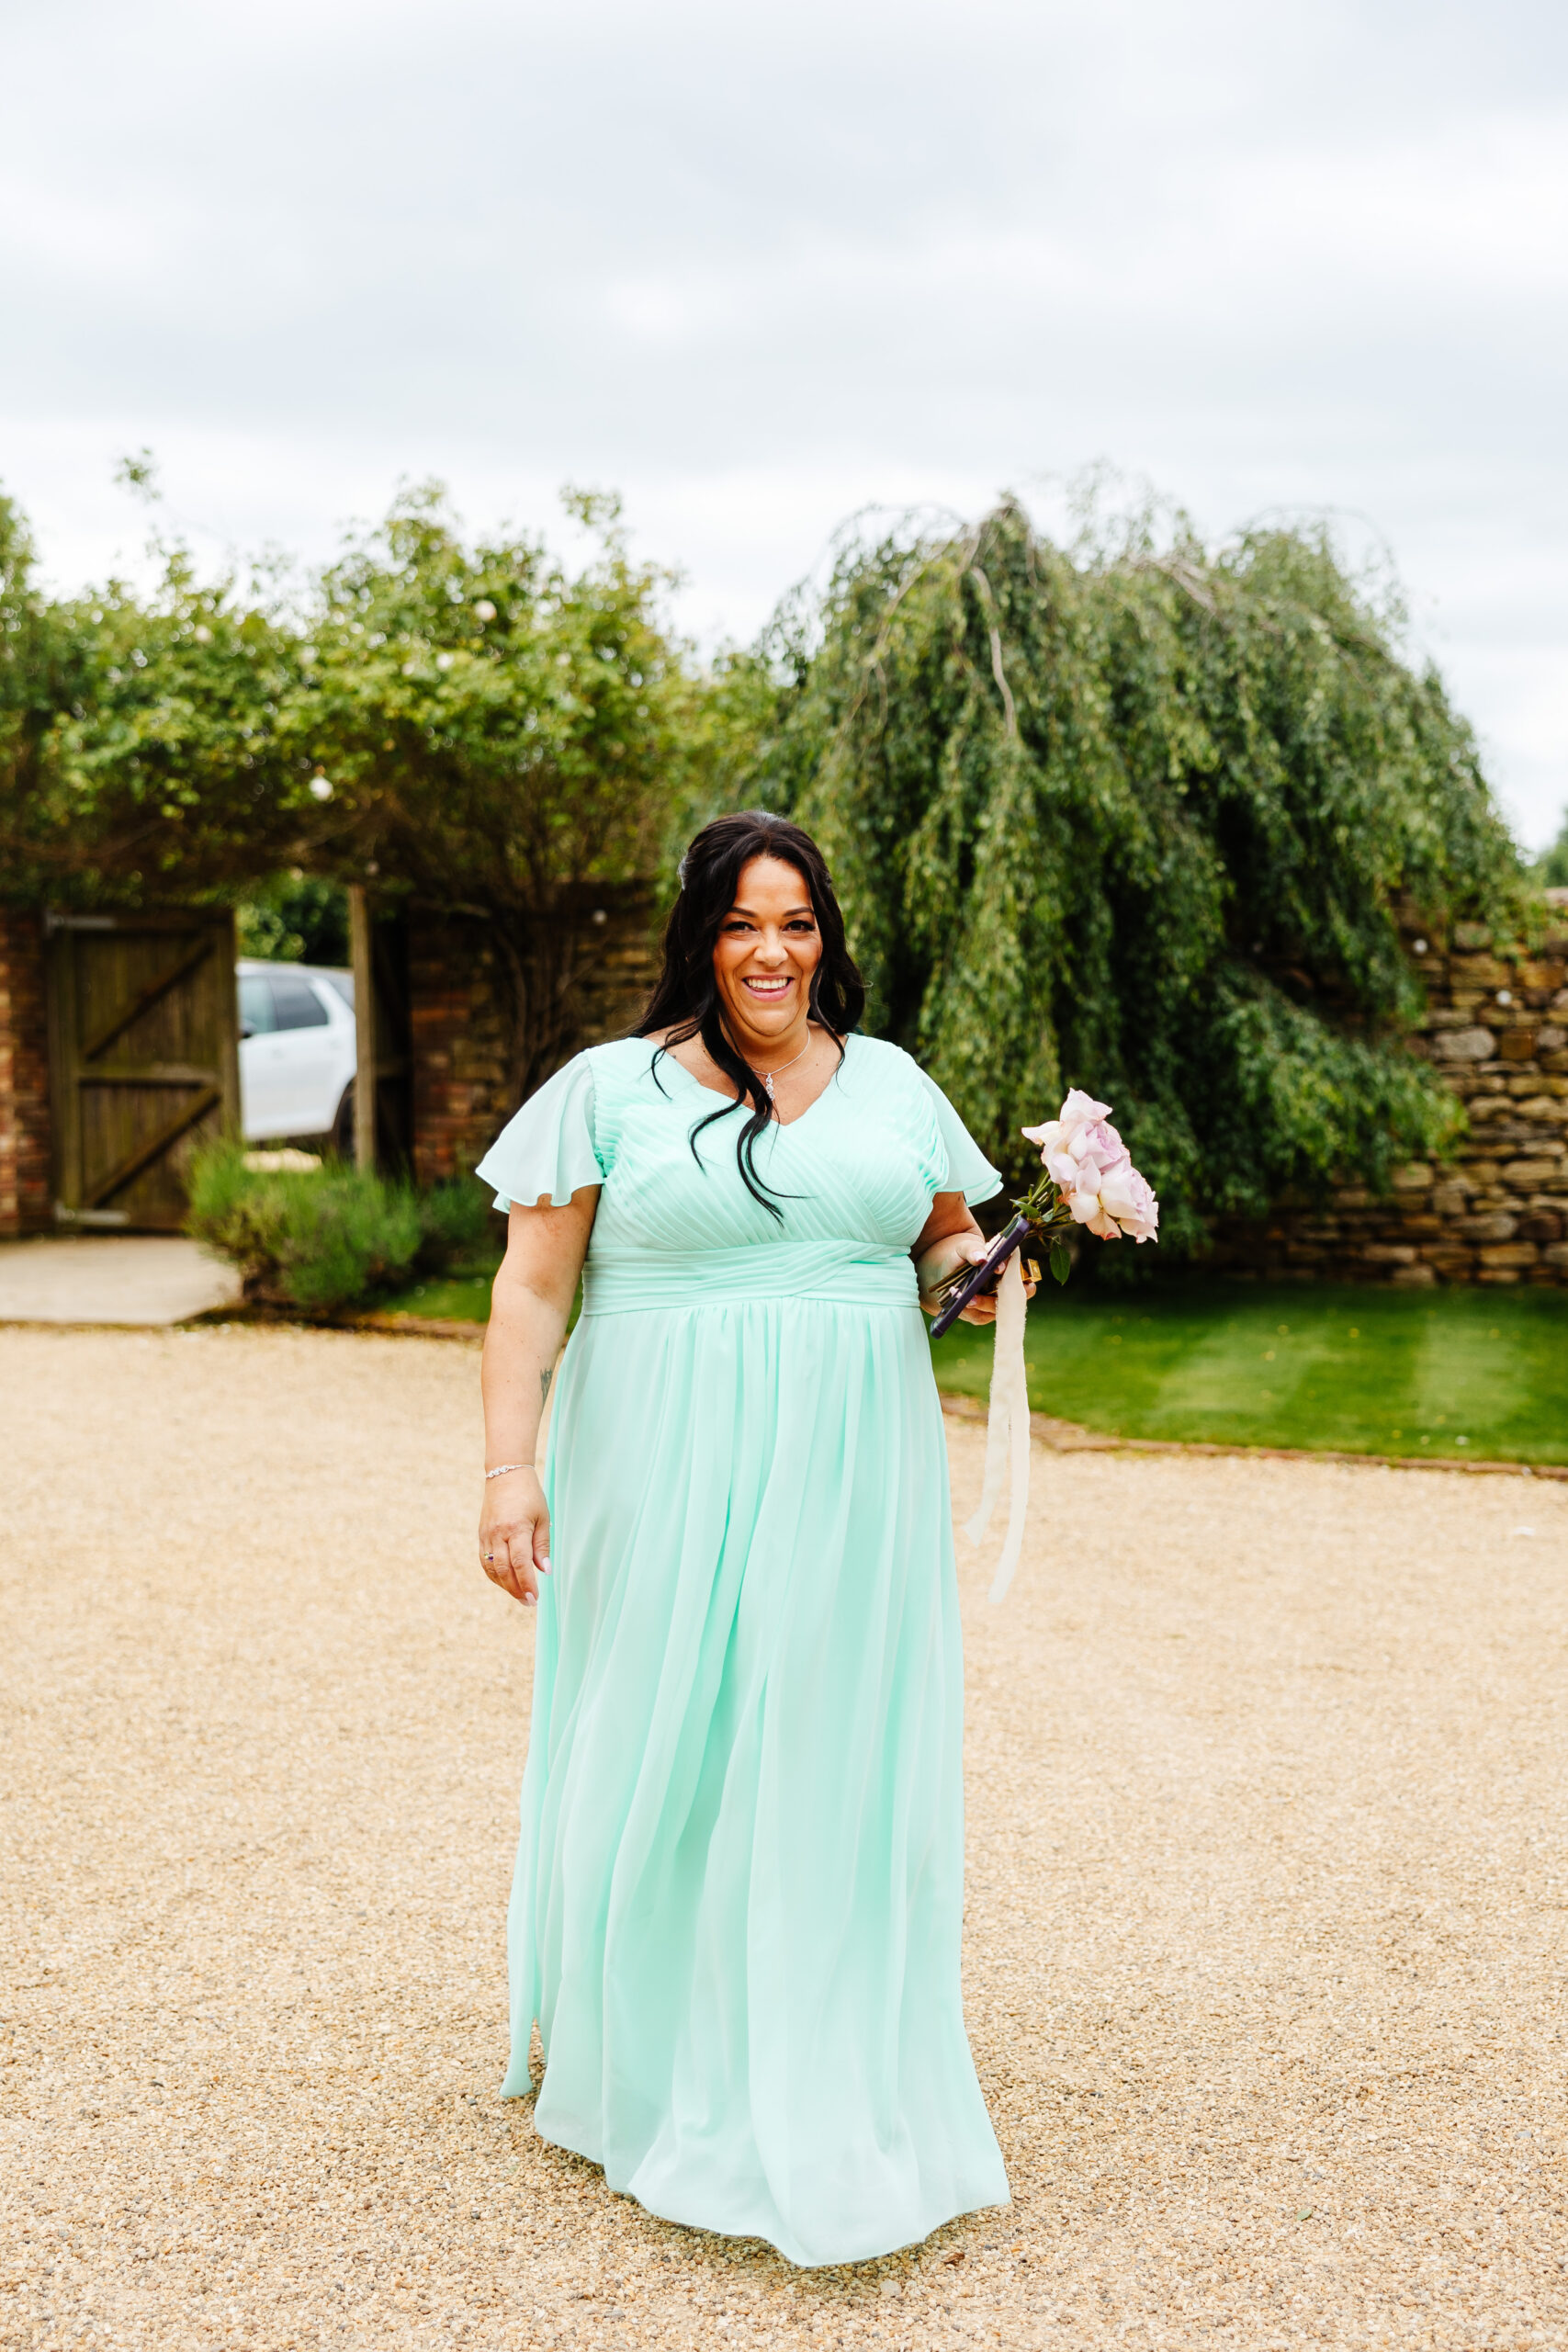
(728, 1101)
(856, 1170)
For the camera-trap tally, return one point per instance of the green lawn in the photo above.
(459, 1298)
(1483, 1373)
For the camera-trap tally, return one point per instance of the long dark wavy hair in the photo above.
(685, 999)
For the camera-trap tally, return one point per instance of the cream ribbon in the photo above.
(1007, 1429)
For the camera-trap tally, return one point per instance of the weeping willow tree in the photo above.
(1140, 821)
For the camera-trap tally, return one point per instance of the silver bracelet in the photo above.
(505, 1467)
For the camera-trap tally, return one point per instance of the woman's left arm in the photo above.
(948, 1240)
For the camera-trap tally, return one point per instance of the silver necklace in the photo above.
(769, 1076)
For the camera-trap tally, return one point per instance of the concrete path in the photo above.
(1267, 1770)
(110, 1278)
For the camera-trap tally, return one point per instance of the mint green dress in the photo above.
(738, 1902)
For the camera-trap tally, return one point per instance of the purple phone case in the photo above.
(981, 1277)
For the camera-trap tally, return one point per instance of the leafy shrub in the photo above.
(462, 1232)
(324, 1242)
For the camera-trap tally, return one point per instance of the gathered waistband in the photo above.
(844, 1274)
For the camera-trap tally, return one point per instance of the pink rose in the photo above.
(1086, 1157)
(1129, 1198)
(1079, 1110)
(1102, 1144)
(1087, 1209)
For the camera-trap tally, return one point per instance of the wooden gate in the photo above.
(143, 1060)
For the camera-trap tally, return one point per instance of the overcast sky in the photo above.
(758, 267)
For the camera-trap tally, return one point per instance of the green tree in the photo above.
(140, 756)
(1551, 871)
(497, 732)
(477, 723)
(40, 674)
(1139, 820)
(294, 918)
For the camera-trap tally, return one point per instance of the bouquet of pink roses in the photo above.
(1089, 1179)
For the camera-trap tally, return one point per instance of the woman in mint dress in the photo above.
(737, 1910)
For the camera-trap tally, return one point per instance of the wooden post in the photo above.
(364, 1028)
(25, 1127)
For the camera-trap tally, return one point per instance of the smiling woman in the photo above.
(758, 984)
(737, 1902)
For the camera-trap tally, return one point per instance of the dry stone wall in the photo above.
(1497, 1032)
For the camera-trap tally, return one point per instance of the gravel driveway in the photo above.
(1266, 1923)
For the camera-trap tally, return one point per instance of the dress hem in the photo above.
(919, 2234)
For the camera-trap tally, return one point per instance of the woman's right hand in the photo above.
(514, 1535)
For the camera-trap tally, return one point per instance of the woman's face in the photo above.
(767, 949)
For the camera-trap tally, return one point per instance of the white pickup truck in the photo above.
(297, 1052)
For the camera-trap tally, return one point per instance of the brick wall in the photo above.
(1497, 1032)
(26, 1187)
(462, 1090)
(458, 1051)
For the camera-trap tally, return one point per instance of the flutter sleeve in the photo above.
(547, 1151)
(969, 1170)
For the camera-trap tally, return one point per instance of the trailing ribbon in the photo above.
(1007, 1427)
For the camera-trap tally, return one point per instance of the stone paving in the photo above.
(116, 1279)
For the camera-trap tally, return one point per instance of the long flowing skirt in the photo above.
(738, 1902)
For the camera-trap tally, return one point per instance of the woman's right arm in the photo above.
(529, 1306)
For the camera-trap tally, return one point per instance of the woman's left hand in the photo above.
(952, 1239)
(967, 1250)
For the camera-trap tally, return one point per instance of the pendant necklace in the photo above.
(769, 1076)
